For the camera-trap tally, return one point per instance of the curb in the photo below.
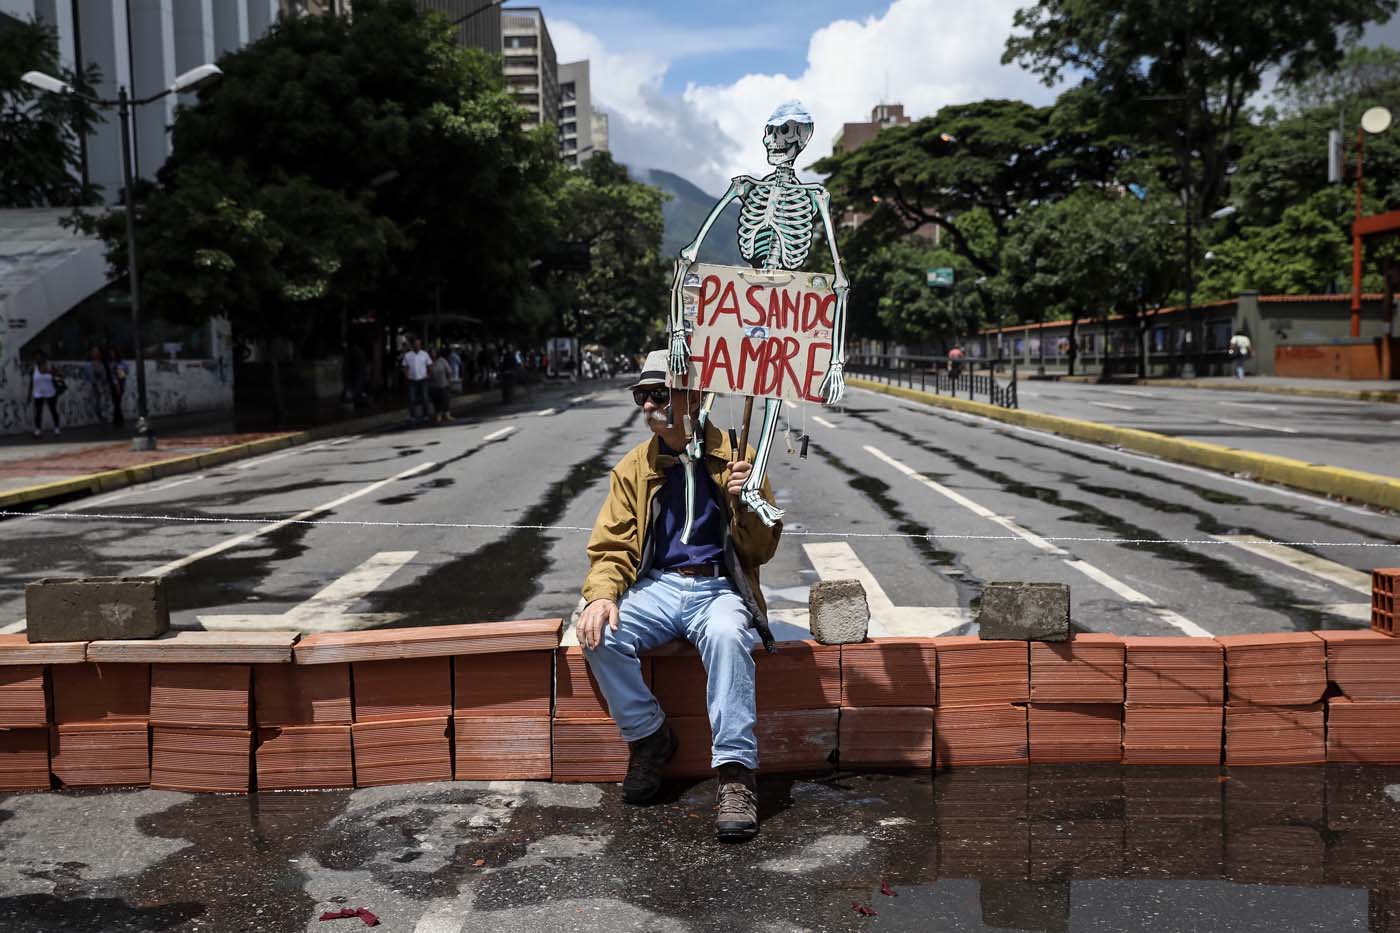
(94, 483)
(1367, 488)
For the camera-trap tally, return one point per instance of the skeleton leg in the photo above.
(752, 493)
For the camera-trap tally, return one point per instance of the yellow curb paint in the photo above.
(1355, 395)
(1354, 485)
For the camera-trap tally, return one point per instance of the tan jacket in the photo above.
(621, 548)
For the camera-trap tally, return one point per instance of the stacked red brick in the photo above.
(24, 711)
(983, 688)
(1275, 683)
(101, 734)
(1363, 724)
(1385, 588)
(304, 716)
(1076, 708)
(888, 691)
(201, 727)
(1174, 698)
(586, 744)
(403, 698)
(500, 716)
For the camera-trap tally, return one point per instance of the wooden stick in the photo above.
(744, 435)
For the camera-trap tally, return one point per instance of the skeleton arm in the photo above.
(834, 384)
(680, 346)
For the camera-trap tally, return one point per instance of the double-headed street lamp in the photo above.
(192, 80)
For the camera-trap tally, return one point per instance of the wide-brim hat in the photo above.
(655, 370)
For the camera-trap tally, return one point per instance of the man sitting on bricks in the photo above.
(652, 580)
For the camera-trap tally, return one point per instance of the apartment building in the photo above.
(530, 64)
(583, 129)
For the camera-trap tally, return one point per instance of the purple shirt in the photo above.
(706, 545)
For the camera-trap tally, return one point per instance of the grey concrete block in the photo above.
(838, 612)
(95, 609)
(1025, 611)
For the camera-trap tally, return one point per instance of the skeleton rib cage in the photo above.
(775, 221)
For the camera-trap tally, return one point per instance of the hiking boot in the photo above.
(736, 809)
(648, 757)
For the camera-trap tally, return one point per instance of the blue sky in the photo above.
(687, 86)
(777, 31)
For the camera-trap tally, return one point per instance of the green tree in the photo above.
(40, 133)
(343, 163)
(992, 156)
(1365, 73)
(1093, 253)
(1182, 72)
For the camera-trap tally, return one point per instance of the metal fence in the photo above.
(971, 379)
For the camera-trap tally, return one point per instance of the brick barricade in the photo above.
(365, 711)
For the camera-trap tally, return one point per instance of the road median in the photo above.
(1353, 485)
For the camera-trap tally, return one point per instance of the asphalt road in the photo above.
(486, 519)
(1357, 435)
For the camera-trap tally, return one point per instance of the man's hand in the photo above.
(596, 615)
(739, 471)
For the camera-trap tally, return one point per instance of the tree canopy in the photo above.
(40, 152)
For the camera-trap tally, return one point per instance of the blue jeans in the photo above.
(706, 612)
(418, 399)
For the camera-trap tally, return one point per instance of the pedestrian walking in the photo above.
(45, 386)
(415, 369)
(955, 361)
(116, 384)
(672, 555)
(1240, 349)
(509, 368)
(439, 387)
(95, 377)
(454, 360)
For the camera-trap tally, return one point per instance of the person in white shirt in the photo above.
(1240, 349)
(415, 368)
(43, 388)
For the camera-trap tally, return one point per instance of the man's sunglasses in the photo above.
(659, 395)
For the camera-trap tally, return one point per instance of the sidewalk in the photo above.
(1361, 390)
(96, 459)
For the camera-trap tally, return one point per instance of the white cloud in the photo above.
(921, 53)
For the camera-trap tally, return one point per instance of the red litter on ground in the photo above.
(865, 910)
(886, 890)
(346, 913)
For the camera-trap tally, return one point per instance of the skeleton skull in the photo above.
(785, 141)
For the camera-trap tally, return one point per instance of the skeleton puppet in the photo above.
(776, 218)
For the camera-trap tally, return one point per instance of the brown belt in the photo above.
(702, 570)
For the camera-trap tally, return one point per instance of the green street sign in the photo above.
(943, 277)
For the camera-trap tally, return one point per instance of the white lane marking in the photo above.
(1345, 577)
(497, 435)
(823, 422)
(1254, 406)
(1029, 537)
(344, 440)
(1134, 393)
(838, 561)
(13, 628)
(547, 412)
(581, 398)
(1257, 426)
(1028, 394)
(239, 540)
(259, 461)
(982, 421)
(1089, 570)
(328, 610)
(1115, 406)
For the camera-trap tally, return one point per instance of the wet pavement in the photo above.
(1045, 848)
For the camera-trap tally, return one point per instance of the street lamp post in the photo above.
(191, 80)
(1374, 121)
